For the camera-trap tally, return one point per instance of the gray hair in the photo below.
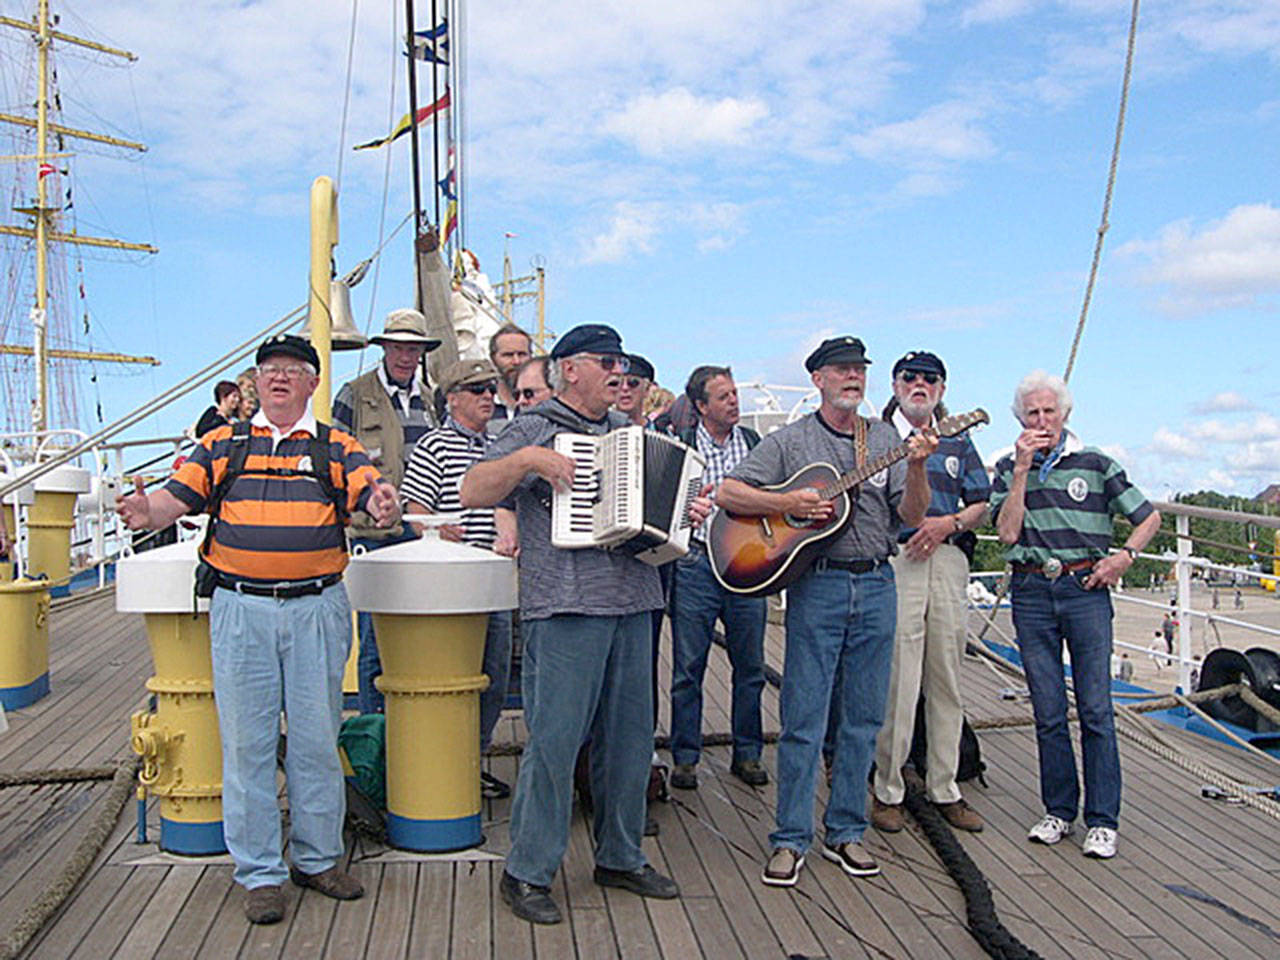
(1038, 380)
(555, 372)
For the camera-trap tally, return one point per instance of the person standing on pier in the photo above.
(279, 487)
(1053, 500)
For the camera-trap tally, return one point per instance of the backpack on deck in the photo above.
(971, 764)
(362, 746)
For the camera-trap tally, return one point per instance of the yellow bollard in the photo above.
(24, 643)
(49, 522)
(11, 525)
(25, 496)
(430, 601)
(178, 738)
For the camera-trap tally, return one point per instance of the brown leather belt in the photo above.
(1065, 568)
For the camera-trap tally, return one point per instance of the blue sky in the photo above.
(733, 181)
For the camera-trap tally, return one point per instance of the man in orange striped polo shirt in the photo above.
(279, 619)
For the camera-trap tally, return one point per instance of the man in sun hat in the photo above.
(388, 410)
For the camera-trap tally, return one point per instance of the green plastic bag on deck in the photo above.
(362, 743)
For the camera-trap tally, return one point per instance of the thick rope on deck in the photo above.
(58, 775)
(980, 909)
(50, 899)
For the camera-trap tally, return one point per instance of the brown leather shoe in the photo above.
(887, 817)
(264, 904)
(334, 882)
(961, 816)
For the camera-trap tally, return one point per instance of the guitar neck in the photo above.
(869, 469)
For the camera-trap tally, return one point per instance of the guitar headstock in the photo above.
(962, 422)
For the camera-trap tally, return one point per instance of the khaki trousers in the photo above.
(926, 657)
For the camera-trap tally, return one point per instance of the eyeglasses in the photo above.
(611, 361)
(909, 376)
(528, 393)
(294, 371)
(480, 389)
(633, 382)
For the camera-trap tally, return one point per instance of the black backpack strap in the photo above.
(241, 431)
(320, 461)
(750, 436)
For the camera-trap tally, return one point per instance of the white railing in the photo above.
(1183, 562)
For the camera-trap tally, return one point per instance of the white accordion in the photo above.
(631, 492)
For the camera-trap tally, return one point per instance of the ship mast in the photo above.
(43, 232)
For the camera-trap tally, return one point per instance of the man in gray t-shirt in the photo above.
(840, 613)
(585, 620)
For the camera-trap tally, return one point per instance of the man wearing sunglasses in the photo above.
(532, 387)
(431, 478)
(932, 571)
(634, 389)
(585, 620)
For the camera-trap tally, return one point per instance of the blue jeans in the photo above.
(270, 655)
(837, 623)
(583, 676)
(368, 663)
(497, 667)
(1044, 613)
(698, 601)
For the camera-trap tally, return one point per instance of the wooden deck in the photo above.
(1194, 878)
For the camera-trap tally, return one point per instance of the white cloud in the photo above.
(1226, 402)
(1169, 444)
(1262, 427)
(1221, 480)
(1258, 458)
(993, 11)
(677, 121)
(631, 231)
(1231, 262)
(946, 131)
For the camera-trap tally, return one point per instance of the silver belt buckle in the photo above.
(1052, 568)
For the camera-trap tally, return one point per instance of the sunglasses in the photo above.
(909, 376)
(633, 383)
(611, 361)
(480, 388)
(528, 393)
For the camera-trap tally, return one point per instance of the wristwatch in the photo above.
(955, 518)
(1133, 554)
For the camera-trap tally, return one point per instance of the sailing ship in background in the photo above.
(49, 364)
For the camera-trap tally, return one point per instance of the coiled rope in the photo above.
(91, 842)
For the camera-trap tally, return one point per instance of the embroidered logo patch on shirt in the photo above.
(879, 479)
(1078, 489)
(952, 464)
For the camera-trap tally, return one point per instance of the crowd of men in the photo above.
(874, 617)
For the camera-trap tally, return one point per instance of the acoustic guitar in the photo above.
(759, 555)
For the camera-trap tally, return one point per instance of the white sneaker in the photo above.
(1049, 830)
(1100, 842)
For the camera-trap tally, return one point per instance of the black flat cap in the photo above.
(587, 338)
(640, 367)
(837, 350)
(920, 361)
(290, 346)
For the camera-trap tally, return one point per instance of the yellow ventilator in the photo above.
(24, 642)
(49, 522)
(24, 496)
(177, 738)
(430, 601)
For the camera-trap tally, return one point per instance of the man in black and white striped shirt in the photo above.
(430, 485)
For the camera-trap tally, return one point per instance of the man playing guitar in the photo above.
(841, 612)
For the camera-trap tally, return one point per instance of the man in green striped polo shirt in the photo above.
(1053, 500)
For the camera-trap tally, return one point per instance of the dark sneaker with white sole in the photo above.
(852, 857)
(783, 868)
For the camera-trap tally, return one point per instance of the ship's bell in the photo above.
(343, 334)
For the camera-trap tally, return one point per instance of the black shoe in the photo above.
(647, 882)
(651, 828)
(750, 772)
(492, 788)
(684, 776)
(528, 901)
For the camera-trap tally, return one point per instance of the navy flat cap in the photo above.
(837, 350)
(587, 338)
(640, 367)
(290, 346)
(921, 361)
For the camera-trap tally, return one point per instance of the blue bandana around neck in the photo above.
(1052, 457)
